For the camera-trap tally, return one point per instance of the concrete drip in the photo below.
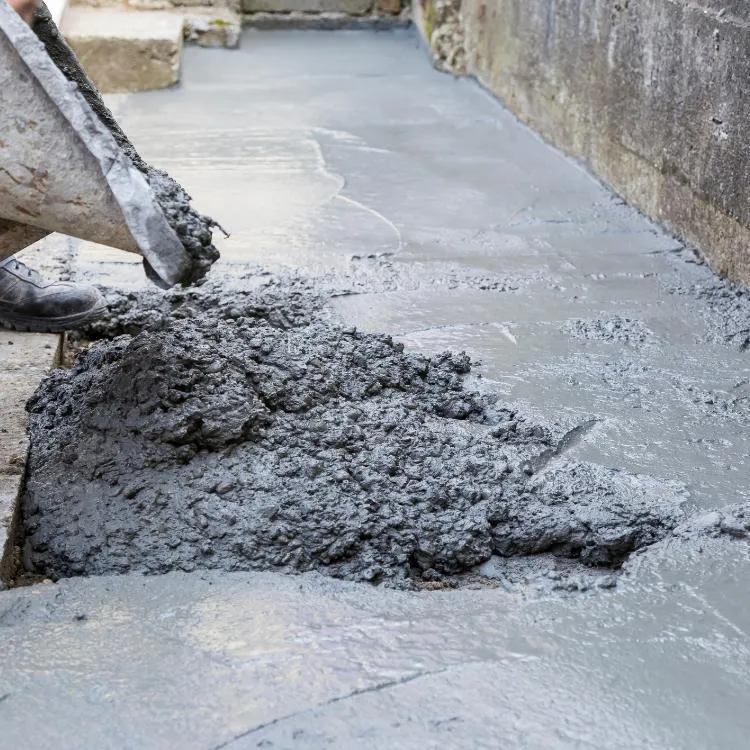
(247, 432)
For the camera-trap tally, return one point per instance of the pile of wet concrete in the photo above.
(248, 432)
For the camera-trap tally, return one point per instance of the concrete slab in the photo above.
(436, 217)
(243, 661)
(123, 50)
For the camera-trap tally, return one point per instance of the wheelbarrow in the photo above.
(65, 165)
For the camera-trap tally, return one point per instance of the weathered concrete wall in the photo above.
(654, 95)
(442, 27)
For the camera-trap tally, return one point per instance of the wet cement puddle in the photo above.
(248, 432)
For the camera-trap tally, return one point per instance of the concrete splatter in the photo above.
(614, 328)
(724, 305)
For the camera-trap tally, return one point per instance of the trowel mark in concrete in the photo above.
(233, 434)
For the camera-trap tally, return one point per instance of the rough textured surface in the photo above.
(227, 436)
(724, 306)
(213, 27)
(614, 329)
(123, 51)
(440, 21)
(562, 292)
(650, 94)
(193, 229)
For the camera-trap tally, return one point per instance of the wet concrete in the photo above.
(414, 206)
(223, 436)
(258, 660)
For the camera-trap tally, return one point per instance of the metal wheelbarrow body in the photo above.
(61, 168)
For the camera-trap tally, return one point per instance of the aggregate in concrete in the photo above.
(263, 434)
(215, 438)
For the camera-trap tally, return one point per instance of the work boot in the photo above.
(28, 302)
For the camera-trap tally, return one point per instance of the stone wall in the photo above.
(653, 95)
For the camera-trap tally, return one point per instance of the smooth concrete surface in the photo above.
(262, 661)
(429, 213)
(651, 94)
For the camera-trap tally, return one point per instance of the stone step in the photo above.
(349, 7)
(125, 50)
(370, 8)
(208, 23)
(212, 27)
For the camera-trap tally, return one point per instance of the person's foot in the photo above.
(28, 302)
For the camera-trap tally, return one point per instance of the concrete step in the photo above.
(208, 23)
(349, 7)
(212, 27)
(125, 50)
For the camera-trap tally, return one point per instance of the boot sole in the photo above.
(11, 322)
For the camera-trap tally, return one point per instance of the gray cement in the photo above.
(217, 439)
(413, 205)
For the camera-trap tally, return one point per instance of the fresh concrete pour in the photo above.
(219, 438)
(365, 190)
(244, 432)
(192, 228)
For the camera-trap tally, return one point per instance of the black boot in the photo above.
(30, 303)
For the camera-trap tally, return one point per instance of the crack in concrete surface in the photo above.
(333, 701)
